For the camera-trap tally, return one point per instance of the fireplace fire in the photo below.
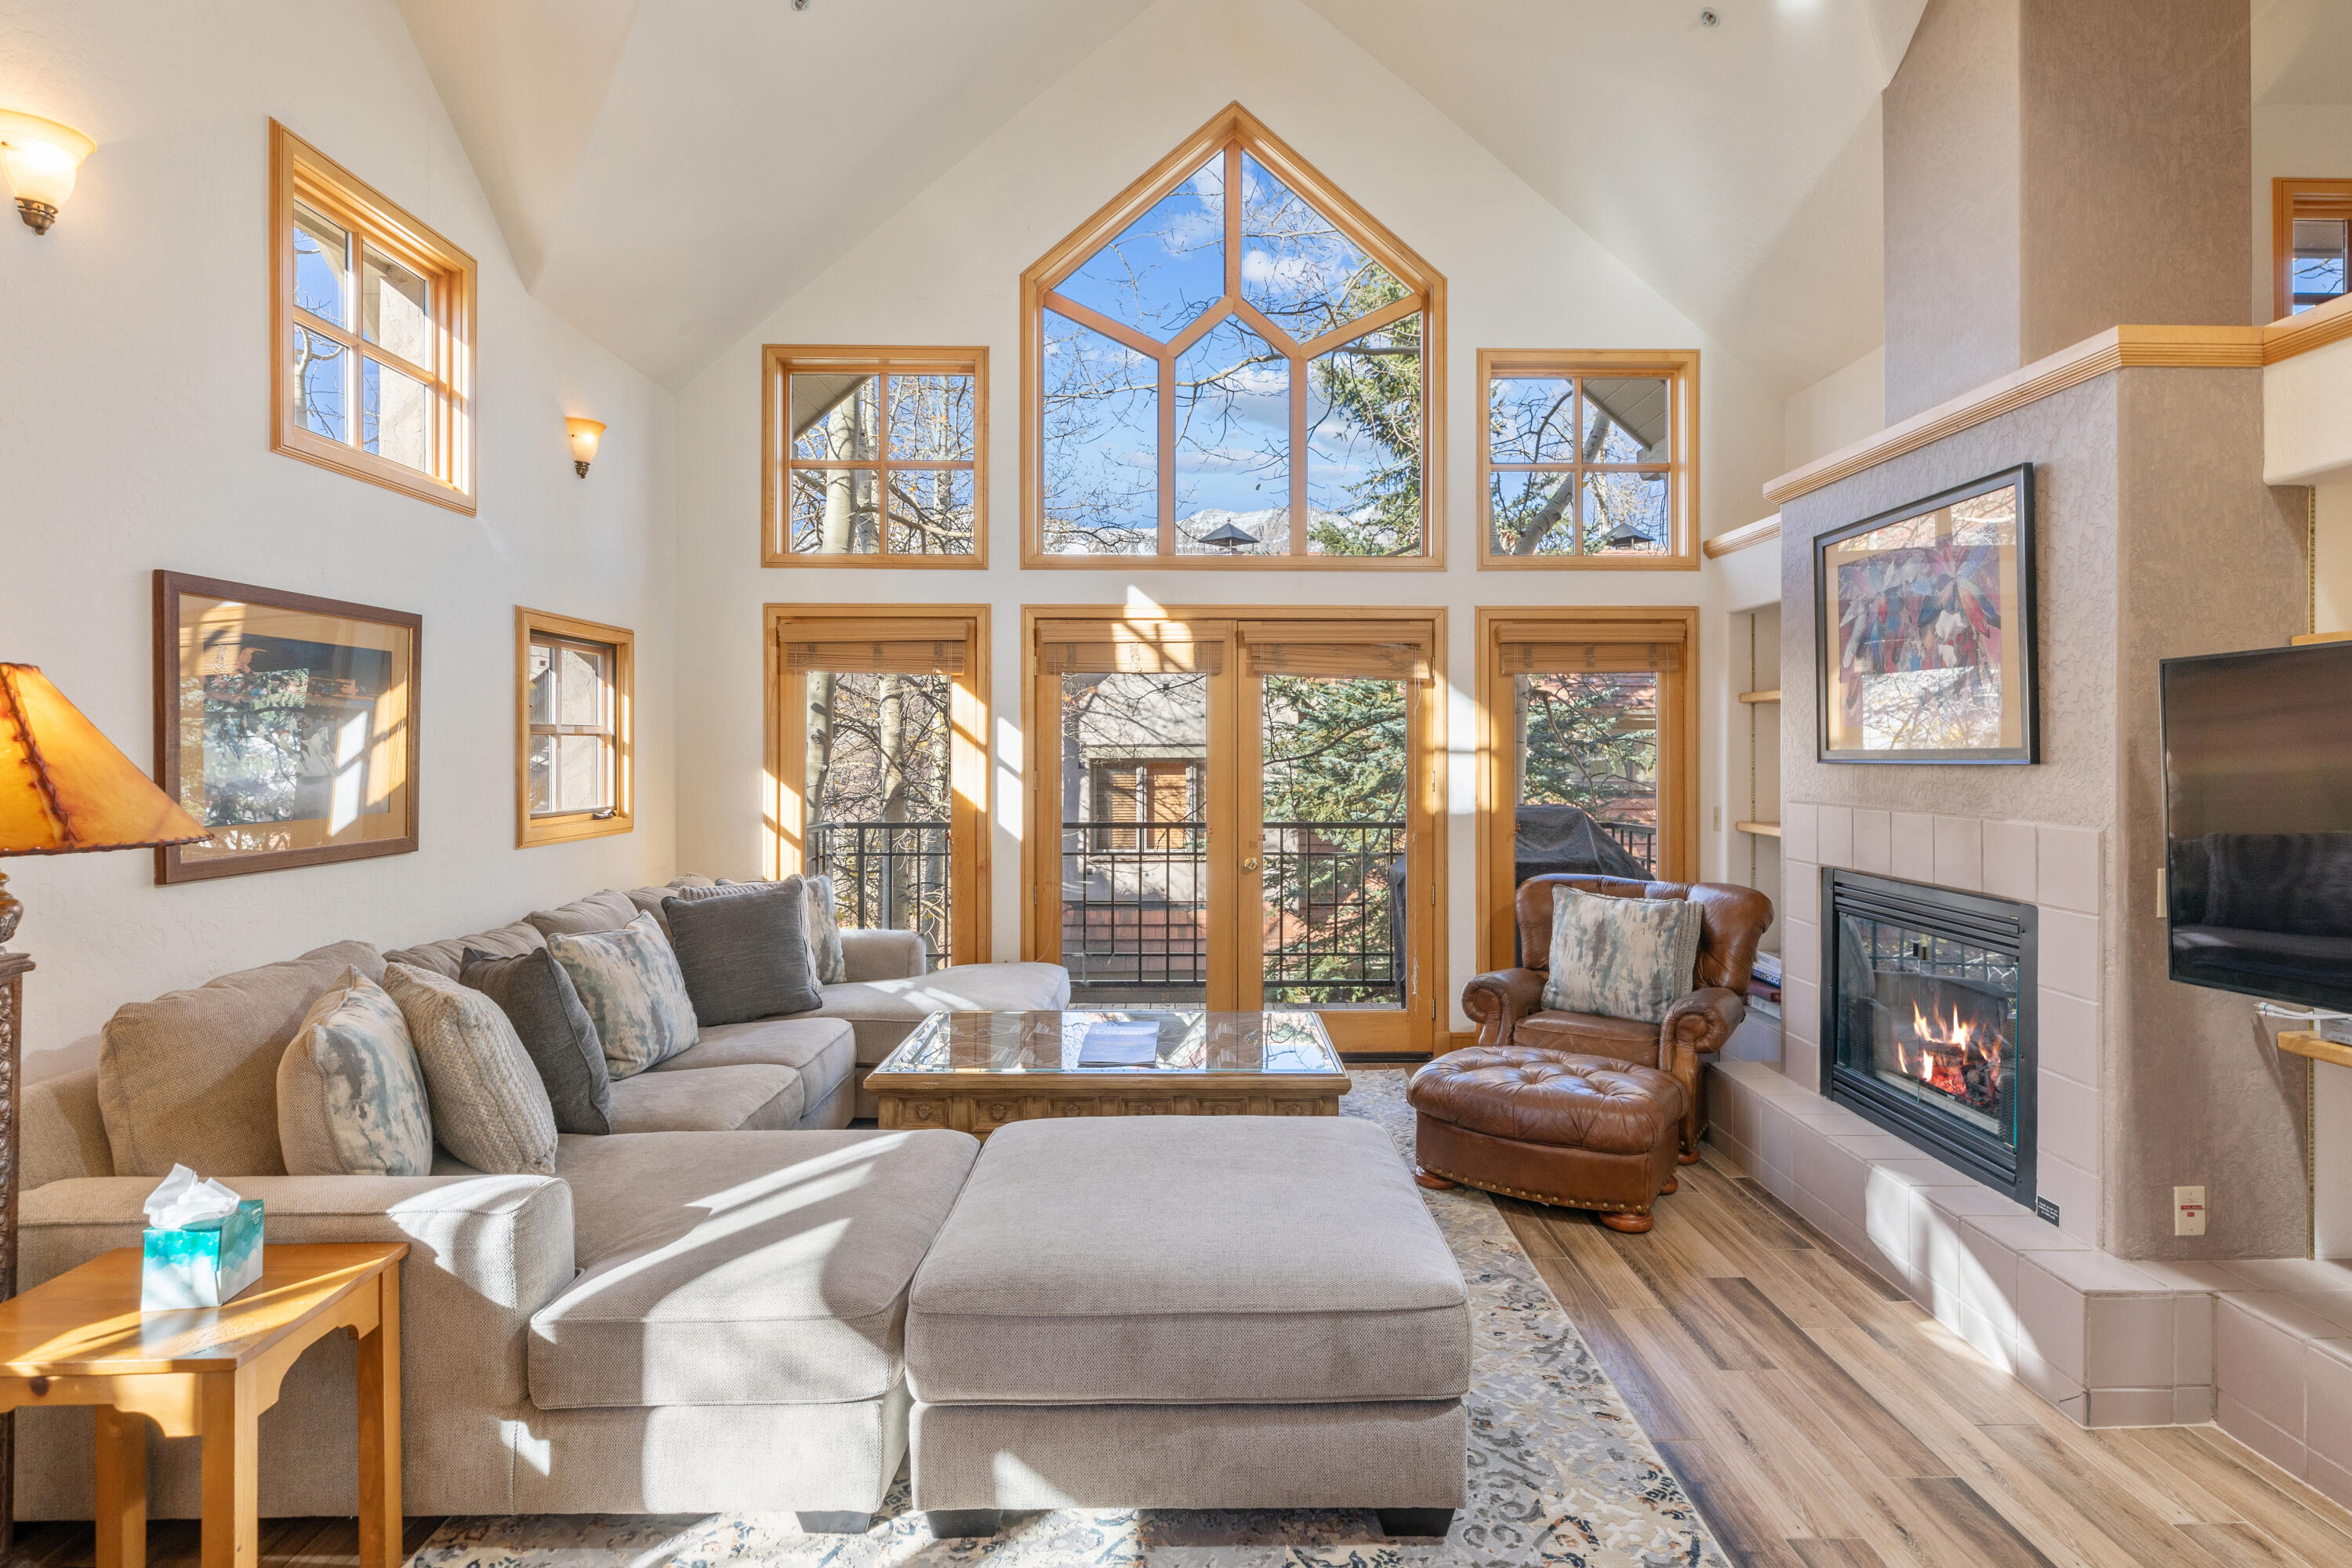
(1928, 1006)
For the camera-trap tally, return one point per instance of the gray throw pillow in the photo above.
(628, 979)
(539, 1000)
(1622, 958)
(488, 1106)
(745, 950)
(351, 1097)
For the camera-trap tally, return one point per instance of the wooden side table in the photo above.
(210, 1372)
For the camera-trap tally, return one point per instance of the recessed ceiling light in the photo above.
(1706, 19)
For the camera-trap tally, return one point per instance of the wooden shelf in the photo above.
(1771, 696)
(1761, 829)
(2304, 1043)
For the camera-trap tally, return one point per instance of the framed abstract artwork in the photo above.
(286, 724)
(1924, 629)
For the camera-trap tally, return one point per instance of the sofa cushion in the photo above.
(754, 1268)
(537, 995)
(743, 950)
(350, 1095)
(629, 981)
(1188, 1260)
(489, 1108)
(608, 910)
(190, 1079)
(884, 1012)
(716, 1100)
(448, 956)
(820, 1049)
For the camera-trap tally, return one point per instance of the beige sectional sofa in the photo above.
(704, 1309)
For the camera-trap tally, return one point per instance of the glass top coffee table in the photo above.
(977, 1071)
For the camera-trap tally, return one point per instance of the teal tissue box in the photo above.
(204, 1265)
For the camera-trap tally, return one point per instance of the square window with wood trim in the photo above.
(2311, 242)
(372, 328)
(876, 457)
(1588, 763)
(574, 719)
(1589, 459)
(879, 764)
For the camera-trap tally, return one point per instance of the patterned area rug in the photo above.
(1559, 1472)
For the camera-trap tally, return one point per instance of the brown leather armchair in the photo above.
(1507, 1005)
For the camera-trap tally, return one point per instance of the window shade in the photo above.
(1594, 648)
(1092, 648)
(895, 656)
(1362, 650)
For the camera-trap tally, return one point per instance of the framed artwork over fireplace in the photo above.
(1924, 629)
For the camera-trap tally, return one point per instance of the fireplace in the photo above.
(1927, 1021)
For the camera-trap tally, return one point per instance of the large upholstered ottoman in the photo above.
(1581, 1131)
(1233, 1311)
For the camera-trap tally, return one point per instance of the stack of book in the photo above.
(1764, 985)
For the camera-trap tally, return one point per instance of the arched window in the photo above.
(1232, 363)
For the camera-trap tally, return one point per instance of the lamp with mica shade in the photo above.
(41, 158)
(64, 789)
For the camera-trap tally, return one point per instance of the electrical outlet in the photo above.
(2187, 1211)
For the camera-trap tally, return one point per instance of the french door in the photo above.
(1240, 812)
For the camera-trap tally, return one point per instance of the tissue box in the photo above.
(204, 1265)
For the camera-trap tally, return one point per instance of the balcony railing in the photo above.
(890, 876)
(1638, 839)
(1135, 911)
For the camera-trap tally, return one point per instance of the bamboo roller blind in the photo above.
(1386, 650)
(1152, 647)
(1593, 647)
(878, 650)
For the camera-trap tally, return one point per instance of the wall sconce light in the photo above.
(42, 158)
(584, 433)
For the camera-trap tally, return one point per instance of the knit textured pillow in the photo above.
(488, 1106)
(1622, 958)
(351, 1097)
(629, 981)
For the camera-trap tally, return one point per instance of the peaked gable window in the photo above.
(1233, 365)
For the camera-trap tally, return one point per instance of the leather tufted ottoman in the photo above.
(1578, 1131)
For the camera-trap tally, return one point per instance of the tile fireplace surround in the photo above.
(2264, 1347)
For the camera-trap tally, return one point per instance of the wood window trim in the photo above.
(1040, 854)
(777, 363)
(1678, 758)
(1680, 367)
(571, 825)
(297, 168)
(2294, 197)
(1235, 126)
(969, 759)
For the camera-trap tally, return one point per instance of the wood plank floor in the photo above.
(1820, 1419)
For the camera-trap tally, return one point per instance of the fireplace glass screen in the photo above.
(1930, 1018)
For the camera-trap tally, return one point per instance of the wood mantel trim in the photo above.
(2167, 348)
(1761, 531)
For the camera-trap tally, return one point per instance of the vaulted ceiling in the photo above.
(667, 172)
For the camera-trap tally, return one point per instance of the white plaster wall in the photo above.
(134, 391)
(946, 270)
(2307, 414)
(1842, 407)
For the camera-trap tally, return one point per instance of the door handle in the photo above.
(1250, 863)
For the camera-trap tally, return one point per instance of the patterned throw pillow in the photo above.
(1622, 958)
(488, 1106)
(630, 983)
(351, 1097)
(539, 1000)
(825, 957)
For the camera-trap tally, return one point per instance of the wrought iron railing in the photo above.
(890, 876)
(1639, 840)
(1135, 911)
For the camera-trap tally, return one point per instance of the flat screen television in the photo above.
(2258, 822)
